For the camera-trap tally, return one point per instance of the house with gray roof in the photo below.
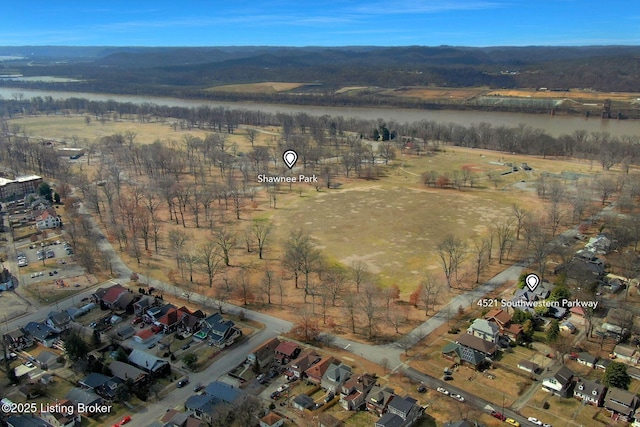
(335, 376)
(484, 329)
(223, 391)
(59, 321)
(204, 406)
(621, 403)
(379, 398)
(42, 333)
(483, 346)
(125, 371)
(406, 408)
(303, 402)
(590, 392)
(26, 421)
(18, 339)
(149, 363)
(587, 359)
(465, 355)
(559, 382)
(77, 395)
(93, 381)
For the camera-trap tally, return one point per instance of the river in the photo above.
(554, 125)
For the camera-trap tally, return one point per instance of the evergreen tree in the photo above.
(616, 376)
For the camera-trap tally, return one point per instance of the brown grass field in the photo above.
(265, 87)
(576, 94)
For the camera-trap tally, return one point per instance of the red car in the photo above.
(155, 329)
(125, 420)
(136, 320)
(498, 415)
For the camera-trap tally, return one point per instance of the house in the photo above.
(48, 219)
(303, 402)
(126, 301)
(42, 333)
(144, 336)
(271, 420)
(559, 382)
(404, 408)
(470, 341)
(567, 327)
(86, 397)
(286, 352)
(354, 391)
(529, 366)
(124, 372)
(125, 332)
(626, 353)
(224, 333)
(503, 319)
(190, 323)
(306, 359)
(378, 399)
(48, 360)
(141, 306)
(169, 320)
(30, 420)
(93, 380)
(464, 355)
(149, 363)
(335, 376)
(482, 328)
(18, 339)
(314, 373)
(59, 416)
(109, 297)
(620, 403)
(59, 321)
(577, 311)
(223, 391)
(602, 364)
(264, 354)
(589, 392)
(587, 359)
(175, 418)
(204, 407)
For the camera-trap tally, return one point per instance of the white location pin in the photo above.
(290, 158)
(532, 281)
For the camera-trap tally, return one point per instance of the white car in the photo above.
(458, 397)
(443, 390)
(546, 425)
(534, 421)
(28, 364)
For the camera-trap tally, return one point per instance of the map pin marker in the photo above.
(290, 158)
(532, 281)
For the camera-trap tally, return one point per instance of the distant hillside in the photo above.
(183, 71)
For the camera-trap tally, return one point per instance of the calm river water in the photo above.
(554, 125)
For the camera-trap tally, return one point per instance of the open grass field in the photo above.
(576, 94)
(443, 94)
(264, 87)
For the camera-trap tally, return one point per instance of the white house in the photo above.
(47, 220)
(484, 329)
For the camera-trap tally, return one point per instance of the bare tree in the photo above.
(480, 257)
(359, 273)
(177, 240)
(350, 304)
(251, 134)
(225, 239)
(261, 231)
(430, 289)
(605, 186)
(520, 214)
(504, 235)
(451, 252)
(370, 307)
(209, 256)
(268, 283)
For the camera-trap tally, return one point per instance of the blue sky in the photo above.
(320, 23)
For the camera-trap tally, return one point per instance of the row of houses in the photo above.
(356, 392)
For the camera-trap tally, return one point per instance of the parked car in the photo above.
(29, 365)
(275, 395)
(186, 346)
(458, 397)
(443, 390)
(422, 388)
(260, 377)
(155, 329)
(198, 388)
(136, 320)
(534, 421)
(183, 382)
(498, 415)
(150, 346)
(512, 422)
(125, 420)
